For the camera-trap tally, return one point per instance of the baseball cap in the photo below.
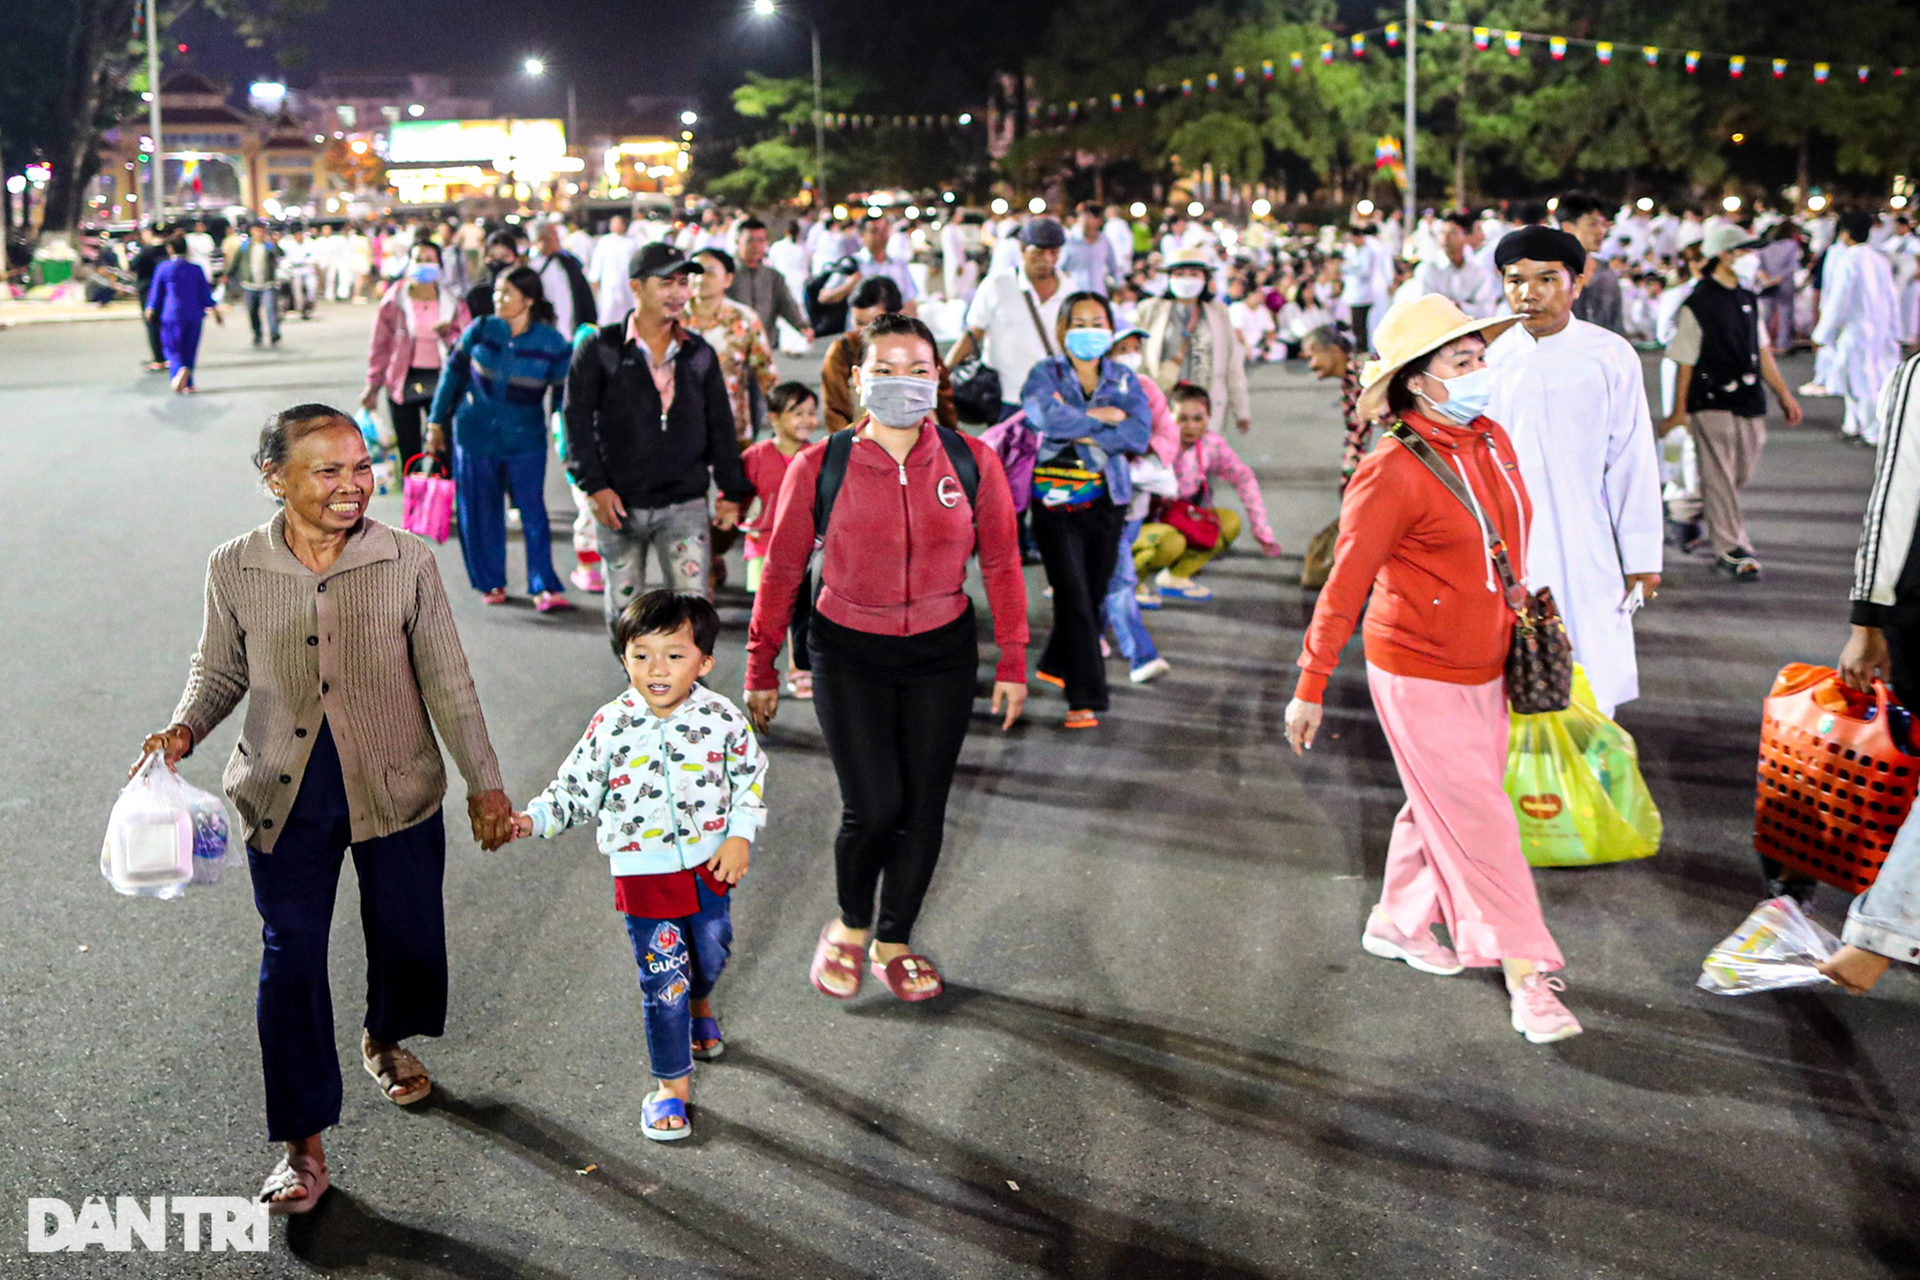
(1725, 239)
(657, 260)
(1043, 233)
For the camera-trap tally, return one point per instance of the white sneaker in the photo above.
(1149, 671)
(1814, 389)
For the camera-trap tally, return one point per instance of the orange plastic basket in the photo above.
(1834, 787)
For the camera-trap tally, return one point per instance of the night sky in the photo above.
(613, 49)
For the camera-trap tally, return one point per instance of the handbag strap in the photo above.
(1496, 545)
(1033, 309)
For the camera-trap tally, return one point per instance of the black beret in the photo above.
(1540, 244)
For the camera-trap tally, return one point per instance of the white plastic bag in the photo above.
(1774, 948)
(164, 833)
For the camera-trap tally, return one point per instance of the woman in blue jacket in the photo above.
(180, 298)
(495, 388)
(1090, 414)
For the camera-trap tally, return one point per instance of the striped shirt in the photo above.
(495, 386)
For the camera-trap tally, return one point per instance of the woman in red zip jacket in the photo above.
(1437, 634)
(892, 643)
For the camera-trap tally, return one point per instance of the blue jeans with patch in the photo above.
(679, 961)
(1886, 918)
(1121, 611)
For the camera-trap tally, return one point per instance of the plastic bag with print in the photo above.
(1774, 948)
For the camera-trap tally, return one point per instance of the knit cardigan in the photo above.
(369, 646)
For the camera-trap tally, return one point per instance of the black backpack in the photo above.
(833, 471)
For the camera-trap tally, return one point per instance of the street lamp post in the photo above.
(536, 68)
(158, 169)
(768, 9)
(1413, 74)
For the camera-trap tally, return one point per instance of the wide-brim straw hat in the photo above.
(1414, 329)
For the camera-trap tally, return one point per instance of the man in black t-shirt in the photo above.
(1723, 359)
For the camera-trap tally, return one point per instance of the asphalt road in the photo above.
(1162, 1054)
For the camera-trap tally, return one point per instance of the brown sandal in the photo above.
(397, 1068)
(901, 971)
(835, 957)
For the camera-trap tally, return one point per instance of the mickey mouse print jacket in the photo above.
(666, 792)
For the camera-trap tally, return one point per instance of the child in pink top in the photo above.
(794, 411)
(1204, 456)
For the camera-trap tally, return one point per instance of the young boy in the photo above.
(672, 775)
(1204, 457)
(794, 411)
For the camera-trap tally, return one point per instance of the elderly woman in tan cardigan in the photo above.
(336, 630)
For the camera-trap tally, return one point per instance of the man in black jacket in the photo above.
(649, 428)
(503, 255)
(1718, 394)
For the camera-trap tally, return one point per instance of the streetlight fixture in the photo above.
(689, 118)
(535, 68)
(770, 9)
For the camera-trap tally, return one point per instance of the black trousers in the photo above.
(1079, 549)
(1360, 335)
(894, 734)
(153, 336)
(408, 432)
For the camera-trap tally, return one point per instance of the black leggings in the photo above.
(894, 737)
(407, 432)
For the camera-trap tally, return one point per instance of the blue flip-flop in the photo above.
(708, 1029)
(1195, 594)
(658, 1106)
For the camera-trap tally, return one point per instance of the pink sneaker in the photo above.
(588, 579)
(1423, 953)
(1537, 1012)
(551, 601)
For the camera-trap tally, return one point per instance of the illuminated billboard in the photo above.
(527, 144)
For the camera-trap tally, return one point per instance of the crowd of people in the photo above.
(1500, 457)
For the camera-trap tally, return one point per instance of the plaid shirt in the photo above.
(1359, 433)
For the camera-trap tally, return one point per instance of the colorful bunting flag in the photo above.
(1213, 82)
(1266, 69)
(1513, 44)
(1436, 26)
(1736, 66)
(1481, 36)
(1116, 102)
(1863, 74)
(1604, 51)
(1651, 53)
(1186, 88)
(1139, 97)
(1297, 62)
(1393, 35)
(1239, 75)
(1557, 47)
(1693, 60)
(1358, 44)
(1779, 68)
(1326, 53)
(1820, 70)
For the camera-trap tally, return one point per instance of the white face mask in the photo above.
(1187, 286)
(1132, 360)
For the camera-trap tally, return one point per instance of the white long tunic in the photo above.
(1575, 405)
(1857, 319)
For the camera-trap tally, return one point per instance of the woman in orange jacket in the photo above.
(1437, 635)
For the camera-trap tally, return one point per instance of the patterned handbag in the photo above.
(1540, 661)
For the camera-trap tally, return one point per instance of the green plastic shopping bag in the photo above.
(1574, 779)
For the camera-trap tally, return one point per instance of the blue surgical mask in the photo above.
(1467, 396)
(1089, 344)
(425, 272)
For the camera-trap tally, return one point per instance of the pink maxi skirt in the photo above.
(1454, 857)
